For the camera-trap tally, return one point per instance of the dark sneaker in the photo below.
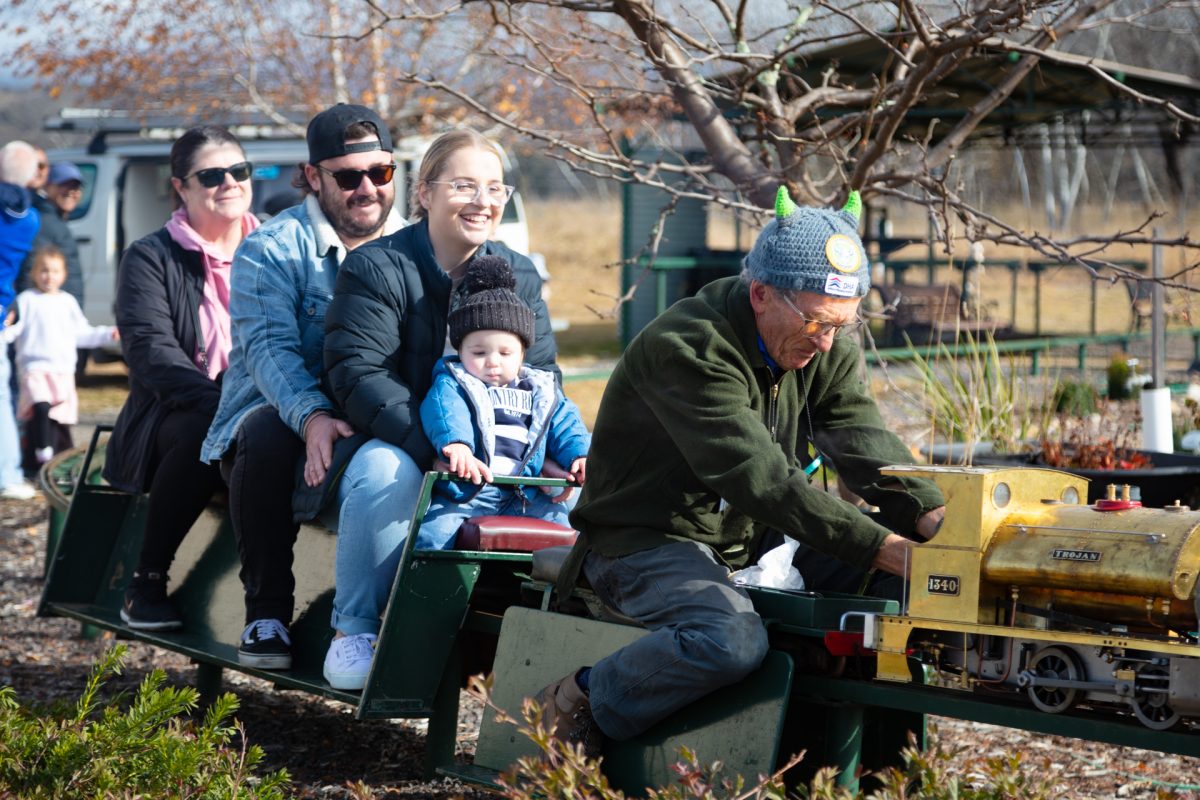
(265, 644)
(146, 607)
(568, 713)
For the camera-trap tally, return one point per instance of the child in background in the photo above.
(49, 327)
(488, 414)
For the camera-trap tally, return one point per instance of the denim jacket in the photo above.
(457, 409)
(282, 281)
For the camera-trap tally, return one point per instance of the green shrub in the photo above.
(562, 771)
(974, 395)
(1119, 373)
(1075, 398)
(144, 749)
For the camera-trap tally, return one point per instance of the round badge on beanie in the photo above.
(812, 250)
(491, 304)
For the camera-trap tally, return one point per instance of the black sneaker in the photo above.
(265, 644)
(146, 607)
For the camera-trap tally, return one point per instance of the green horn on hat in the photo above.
(784, 207)
(854, 205)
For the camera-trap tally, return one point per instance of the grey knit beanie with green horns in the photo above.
(812, 250)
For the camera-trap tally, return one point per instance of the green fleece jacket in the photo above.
(696, 439)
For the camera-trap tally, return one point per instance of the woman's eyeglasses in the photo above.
(350, 179)
(470, 191)
(815, 329)
(214, 176)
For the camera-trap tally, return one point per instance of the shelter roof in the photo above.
(1079, 89)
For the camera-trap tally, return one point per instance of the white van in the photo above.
(126, 195)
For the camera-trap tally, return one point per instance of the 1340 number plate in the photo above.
(942, 584)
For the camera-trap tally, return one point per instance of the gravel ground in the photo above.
(319, 742)
(327, 751)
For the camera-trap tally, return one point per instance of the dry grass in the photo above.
(582, 244)
(581, 241)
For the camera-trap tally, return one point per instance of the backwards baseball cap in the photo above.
(812, 250)
(63, 171)
(327, 132)
(491, 303)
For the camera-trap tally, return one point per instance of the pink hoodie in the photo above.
(214, 305)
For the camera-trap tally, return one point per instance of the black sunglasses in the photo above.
(349, 179)
(215, 176)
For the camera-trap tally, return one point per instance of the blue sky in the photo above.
(21, 14)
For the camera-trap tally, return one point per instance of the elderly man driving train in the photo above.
(707, 437)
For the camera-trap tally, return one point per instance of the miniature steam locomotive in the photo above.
(1028, 590)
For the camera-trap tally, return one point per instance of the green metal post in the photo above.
(1035, 363)
(845, 729)
(208, 683)
(1081, 359)
(442, 735)
(1196, 346)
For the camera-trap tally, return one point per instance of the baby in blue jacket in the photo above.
(489, 414)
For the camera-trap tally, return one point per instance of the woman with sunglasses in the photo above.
(172, 311)
(385, 329)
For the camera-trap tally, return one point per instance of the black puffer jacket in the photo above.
(54, 231)
(386, 327)
(158, 300)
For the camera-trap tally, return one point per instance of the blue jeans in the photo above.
(376, 496)
(704, 635)
(444, 516)
(10, 442)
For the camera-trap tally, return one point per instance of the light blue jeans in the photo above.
(444, 517)
(704, 635)
(376, 497)
(10, 441)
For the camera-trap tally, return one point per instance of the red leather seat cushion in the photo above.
(519, 534)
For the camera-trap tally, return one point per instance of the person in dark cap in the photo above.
(488, 414)
(272, 413)
(60, 196)
(708, 435)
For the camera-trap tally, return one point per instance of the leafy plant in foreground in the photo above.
(144, 749)
(561, 770)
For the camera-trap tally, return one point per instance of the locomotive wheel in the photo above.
(1151, 708)
(1057, 663)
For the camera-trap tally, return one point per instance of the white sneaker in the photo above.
(349, 660)
(18, 491)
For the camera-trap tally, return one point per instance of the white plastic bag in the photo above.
(774, 570)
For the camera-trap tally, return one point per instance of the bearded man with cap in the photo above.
(701, 449)
(273, 413)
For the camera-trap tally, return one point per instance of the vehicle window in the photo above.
(273, 190)
(510, 213)
(89, 189)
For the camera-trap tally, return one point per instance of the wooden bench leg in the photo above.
(208, 683)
